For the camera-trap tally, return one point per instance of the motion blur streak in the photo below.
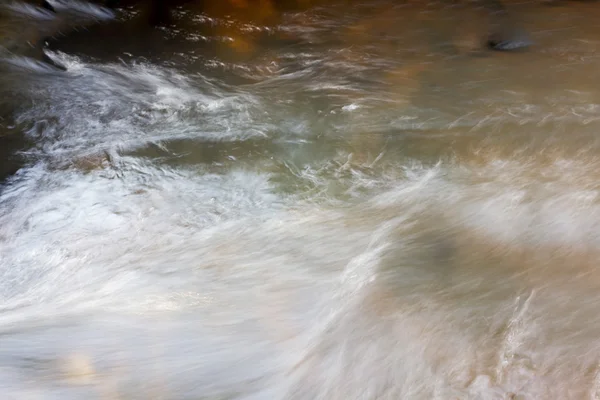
(341, 200)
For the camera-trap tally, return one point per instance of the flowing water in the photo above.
(341, 201)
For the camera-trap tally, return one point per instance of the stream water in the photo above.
(349, 200)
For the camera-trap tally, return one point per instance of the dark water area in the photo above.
(335, 200)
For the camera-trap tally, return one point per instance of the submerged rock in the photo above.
(505, 31)
(509, 45)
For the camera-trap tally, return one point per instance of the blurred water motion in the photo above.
(337, 200)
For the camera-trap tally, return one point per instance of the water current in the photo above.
(346, 200)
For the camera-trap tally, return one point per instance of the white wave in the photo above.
(30, 11)
(82, 8)
(98, 108)
(29, 64)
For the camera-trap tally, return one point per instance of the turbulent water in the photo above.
(344, 201)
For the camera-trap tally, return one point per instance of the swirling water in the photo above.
(344, 201)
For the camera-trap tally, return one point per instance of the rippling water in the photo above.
(343, 201)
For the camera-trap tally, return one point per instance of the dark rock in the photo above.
(509, 45)
(48, 6)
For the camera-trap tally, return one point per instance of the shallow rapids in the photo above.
(348, 201)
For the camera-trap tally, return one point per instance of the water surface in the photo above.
(341, 201)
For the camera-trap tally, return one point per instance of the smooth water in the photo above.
(344, 201)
